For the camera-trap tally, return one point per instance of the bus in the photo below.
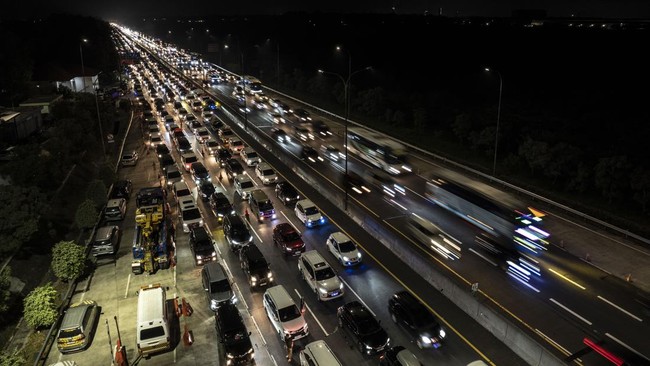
(510, 230)
(252, 85)
(378, 150)
(495, 212)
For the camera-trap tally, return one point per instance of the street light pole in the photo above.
(346, 110)
(83, 72)
(99, 119)
(496, 138)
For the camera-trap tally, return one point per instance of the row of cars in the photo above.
(286, 316)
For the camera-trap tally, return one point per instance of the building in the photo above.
(18, 123)
(44, 102)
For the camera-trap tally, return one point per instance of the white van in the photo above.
(152, 331)
(318, 354)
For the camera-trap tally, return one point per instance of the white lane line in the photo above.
(273, 359)
(416, 193)
(312, 313)
(358, 297)
(570, 311)
(566, 352)
(620, 308)
(128, 282)
(290, 222)
(254, 231)
(626, 346)
(484, 257)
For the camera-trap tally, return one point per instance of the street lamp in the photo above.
(83, 72)
(99, 119)
(346, 97)
(496, 137)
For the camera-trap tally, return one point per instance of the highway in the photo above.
(581, 300)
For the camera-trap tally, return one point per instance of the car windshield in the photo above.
(69, 333)
(213, 144)
(311, 210)
(247, 184)
(183, 192)
(151, 333)
(324, 274)
(258, 264)
(291, 236)
(191, 214)
(289, 191)
(368, 325)
(266, 205)
(240, 233)
(173, 174)
(204, 245)
(251, 155)
(266, 172)
(347, 246)
(289, 313)
(191, 159)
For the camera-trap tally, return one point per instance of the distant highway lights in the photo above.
(346, 88)
(496, 138)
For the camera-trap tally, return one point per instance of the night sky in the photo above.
(119, 9)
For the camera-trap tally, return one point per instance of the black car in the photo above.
(365, 330)
(233, 335)
(255, 266)
(122, 189)
(280, 135)
(302, 115)
(310, 154)
(222, 156)
(319, 128)
(398, 356)
(233, 168)
(161, 149)
(236, 232)
(183, 146)
(286, 193)
(206, 190)
(166, 160)
(199, 172)
(202, 245)
(416, 320)
(220, 205)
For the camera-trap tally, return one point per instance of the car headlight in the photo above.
(199, 257)
(230, 355)
(322, 290)
(425, 340)
(253, 279)
(442, 334)
(213, 305)
(341, 286)
(345, 258)
(269, 275)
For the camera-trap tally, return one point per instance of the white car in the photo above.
(249, 156)
(244, 185)
(343, 249)
(285, 316)
(307, 212)
(320, 276)
(202, 134)
(265, 173)
(236, 146)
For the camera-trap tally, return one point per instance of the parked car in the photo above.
(130, 158)
(364, 329)
(288, 239)
(121, 189)
(78, 327)
(412, 316)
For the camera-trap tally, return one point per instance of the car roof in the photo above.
(243, 178)
(74, 315)
(306, 203)
(339, 237)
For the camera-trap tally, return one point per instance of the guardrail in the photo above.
(548, 201)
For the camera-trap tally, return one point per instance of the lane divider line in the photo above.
(570, 311)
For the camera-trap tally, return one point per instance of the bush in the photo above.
(68, 260)
(5, 294)
(86, 214)
(12, 359)
(97, 192)
(39, 307)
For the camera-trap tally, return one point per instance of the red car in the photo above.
(288, 239)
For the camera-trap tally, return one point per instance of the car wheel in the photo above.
(361, 348)
(392, 316)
